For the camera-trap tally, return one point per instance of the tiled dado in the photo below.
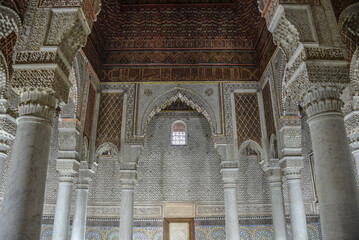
(247, 232)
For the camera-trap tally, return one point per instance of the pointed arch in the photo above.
(170, 96)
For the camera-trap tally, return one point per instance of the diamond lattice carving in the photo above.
(7, 48)
(247, 117)
(90, 110)
(110, 119)
(268, 110)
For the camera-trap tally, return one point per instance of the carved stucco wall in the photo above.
(179, 173)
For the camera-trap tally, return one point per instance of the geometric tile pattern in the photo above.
(110, 119)
(252, 184)
(248, 121)
(179, 173)
(247, 232)
(90, 111)
(268, 110)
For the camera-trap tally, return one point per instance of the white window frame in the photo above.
(185, 134)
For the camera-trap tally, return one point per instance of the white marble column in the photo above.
(67, 169)
(82, 188)
(336, 185)
(298, 218)
(128, 180)
(229, 172)
(21, 213)
(278, 210)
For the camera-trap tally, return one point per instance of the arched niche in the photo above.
(107, 150)
(252, 182)
(192, 99)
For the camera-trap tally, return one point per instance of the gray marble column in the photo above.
(229, 172)
(298, 218)
(67, 169)
(21, 213)
(82, 188)
(128, 180)
(4, 147)
(278, 210)
(335, 180)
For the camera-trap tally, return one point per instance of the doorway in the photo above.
(178, 229)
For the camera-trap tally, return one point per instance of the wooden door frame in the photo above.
(166, 224)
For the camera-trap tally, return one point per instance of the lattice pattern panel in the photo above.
(7, 48)
(247, 117)
(90, 110)
(110, 119)
(268, 110)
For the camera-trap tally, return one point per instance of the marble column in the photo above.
(128, 180)
(21, 213)
(5, 139)
(67, 169)
(278, 210)
(335, 180)
(82, 187)
(298, 218)
(229, 172)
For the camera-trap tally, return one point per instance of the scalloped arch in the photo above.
(184, 95)
(108, 146)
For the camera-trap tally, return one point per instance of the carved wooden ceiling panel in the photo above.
(151, 40)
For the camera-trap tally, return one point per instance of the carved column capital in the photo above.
(229, 171)
(292, 166)
(85, 175)
(37, 102)
(128, 179)
(323, 99)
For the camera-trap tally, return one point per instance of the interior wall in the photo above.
(179, 173)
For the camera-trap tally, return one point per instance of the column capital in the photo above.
(323, 99)
(37, 102)
(67, 168)
(274, 175)
(128, 177)
(229, 171)
(86, 172)
(291, 165)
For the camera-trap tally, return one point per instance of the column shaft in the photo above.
(232, 225)
(21, 213)
(278, 211)
(126, 218)
(2, 166)
(297, 211)
(337, 190)
(62, 213)
(79, 223)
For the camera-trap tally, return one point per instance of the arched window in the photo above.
(179, 133)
